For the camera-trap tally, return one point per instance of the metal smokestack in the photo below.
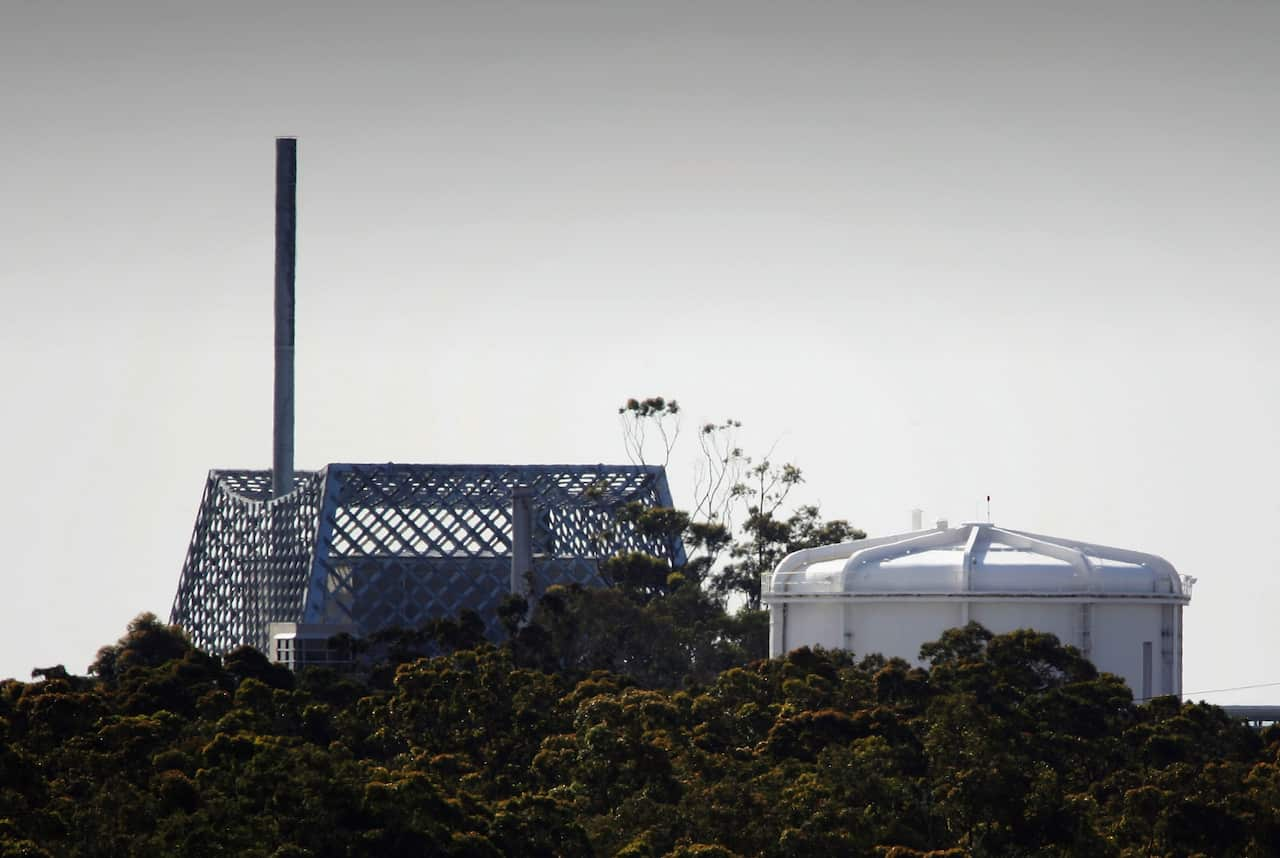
(286, 232)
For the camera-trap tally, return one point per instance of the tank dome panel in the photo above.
(979, 557)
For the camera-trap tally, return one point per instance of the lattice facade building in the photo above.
(372, 546)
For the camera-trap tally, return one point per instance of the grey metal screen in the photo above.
(382, 545)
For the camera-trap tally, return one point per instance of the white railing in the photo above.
(799, 583)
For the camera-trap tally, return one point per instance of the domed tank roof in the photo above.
(978, 558)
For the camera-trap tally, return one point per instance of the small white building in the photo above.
(299, 645)
(1122, 609)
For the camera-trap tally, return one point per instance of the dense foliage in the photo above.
(1008, 745)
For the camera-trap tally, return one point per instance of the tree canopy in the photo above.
(588, 732)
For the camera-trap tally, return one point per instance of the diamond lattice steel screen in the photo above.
(395, 545)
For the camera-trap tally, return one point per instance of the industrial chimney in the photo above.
(286, 231)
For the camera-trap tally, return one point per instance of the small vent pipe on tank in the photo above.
(286, 234)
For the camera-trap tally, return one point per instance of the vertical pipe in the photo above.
(1146, 671)
(1178, 674)
(286, 232)
(521, 540)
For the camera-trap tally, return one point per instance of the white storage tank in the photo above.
(1122, 609)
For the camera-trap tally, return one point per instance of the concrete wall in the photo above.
(1061, 619)
(814, 624)
(1138, 641)
(1120, 633)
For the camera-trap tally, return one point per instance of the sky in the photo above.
(928, 252)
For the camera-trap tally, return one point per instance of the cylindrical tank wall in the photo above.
(1139, 641)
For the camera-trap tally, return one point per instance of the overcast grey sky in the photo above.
(932, 251)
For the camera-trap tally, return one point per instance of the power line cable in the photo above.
(1187, 694)
(1237, 688)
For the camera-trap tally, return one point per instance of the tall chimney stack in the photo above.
(286, 232)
